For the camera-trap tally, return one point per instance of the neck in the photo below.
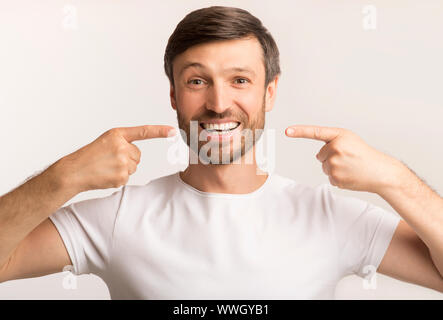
(225, 178)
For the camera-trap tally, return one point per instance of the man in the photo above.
(223, 228)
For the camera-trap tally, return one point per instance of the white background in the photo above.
(64, 82)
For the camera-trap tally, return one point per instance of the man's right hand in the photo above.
(108, 161)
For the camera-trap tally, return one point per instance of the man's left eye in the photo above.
(242, 79)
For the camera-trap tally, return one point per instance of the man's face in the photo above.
(221, 85)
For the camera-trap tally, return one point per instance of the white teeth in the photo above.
(221, 126)
(219, 132)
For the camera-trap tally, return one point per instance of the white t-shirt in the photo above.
(168, 240)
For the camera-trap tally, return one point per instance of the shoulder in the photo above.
(163, 185)
(162, 182)
(298, 190)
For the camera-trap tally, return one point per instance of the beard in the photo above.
(253, 129)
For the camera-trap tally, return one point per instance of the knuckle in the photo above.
(114, 142)
(317, 133)
(113, 132)
(119, 148)
(333, 161)
(325, 170)
(122, 161)
(132, 169)
(144, 132)
(338, 153)
(334, 176)
(138, 153)
(335, 146)
(107, 136)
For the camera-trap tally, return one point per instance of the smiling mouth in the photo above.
(219, 128)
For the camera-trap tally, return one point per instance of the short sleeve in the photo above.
(87, 228)
(363, 231)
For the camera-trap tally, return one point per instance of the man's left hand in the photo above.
(348, 161)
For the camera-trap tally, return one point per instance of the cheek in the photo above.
(188, 102)
(251, 102)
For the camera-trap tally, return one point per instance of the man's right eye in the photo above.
(193, 81)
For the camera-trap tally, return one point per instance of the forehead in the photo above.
(244, 54)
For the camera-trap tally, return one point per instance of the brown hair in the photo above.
(221, 23)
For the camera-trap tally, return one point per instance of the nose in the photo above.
(217, 99)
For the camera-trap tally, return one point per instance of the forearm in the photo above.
(24, 208)
(421, 208)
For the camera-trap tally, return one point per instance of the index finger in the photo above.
(325, 134)
(146, 132)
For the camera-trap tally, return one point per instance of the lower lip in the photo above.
(222, 137)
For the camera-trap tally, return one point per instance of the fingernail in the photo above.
(290, 131)
(171, 133)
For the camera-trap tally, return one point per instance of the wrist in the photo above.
(63, 176)
(399, 179)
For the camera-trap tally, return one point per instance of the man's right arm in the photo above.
(30, 245)
(29, 242)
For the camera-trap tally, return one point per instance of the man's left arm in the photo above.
(419, 236)
(415, 253)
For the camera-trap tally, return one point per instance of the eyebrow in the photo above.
(199, 65)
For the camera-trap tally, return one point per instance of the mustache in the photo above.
(211, 115)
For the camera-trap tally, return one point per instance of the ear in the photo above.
(172, 96)
(271, 91)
